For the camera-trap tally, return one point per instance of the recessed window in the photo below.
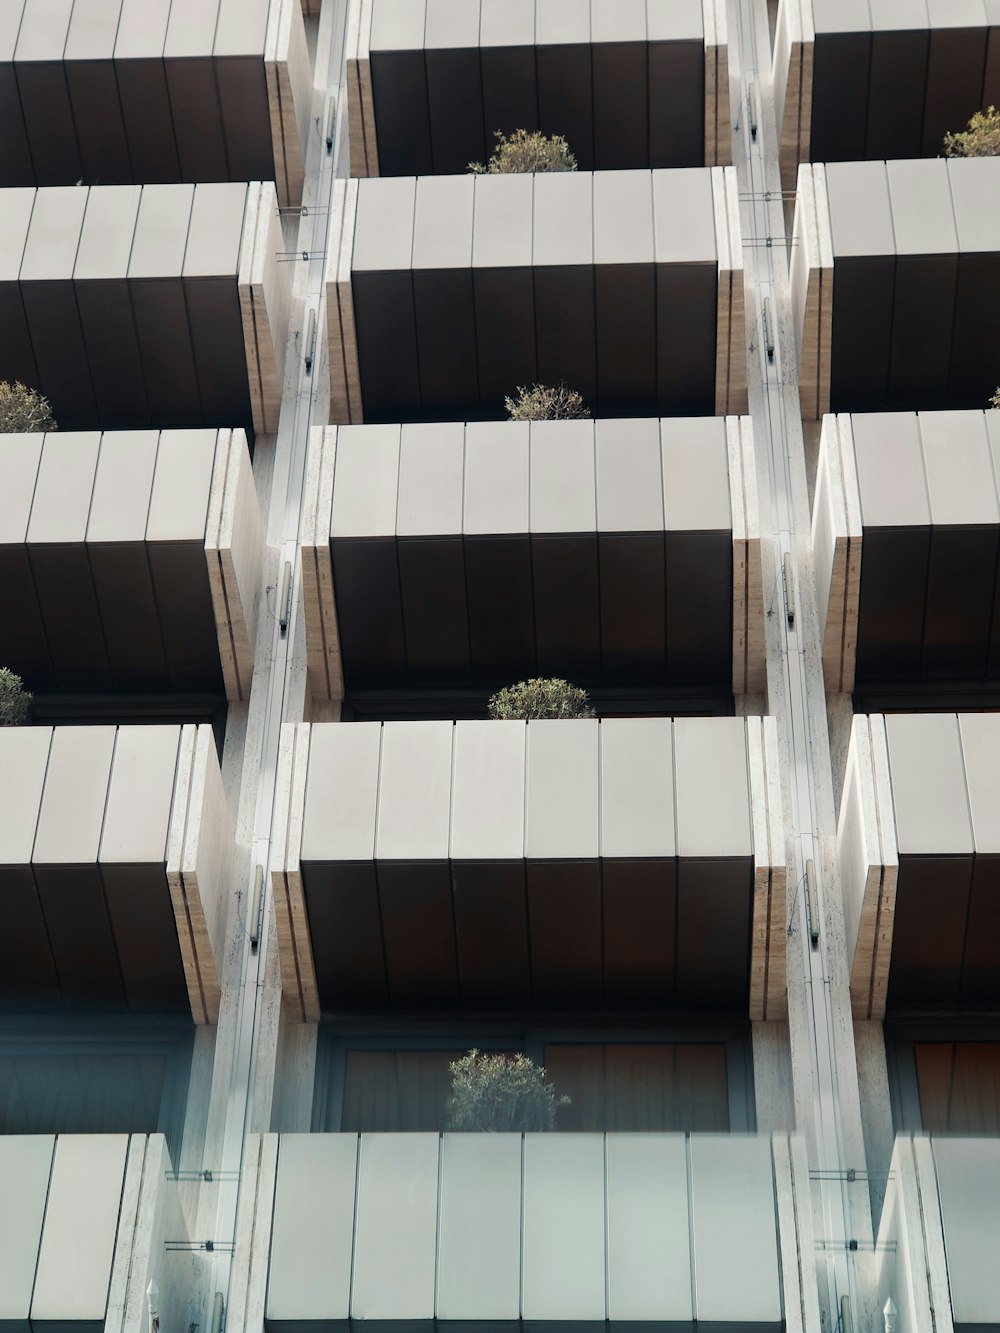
(628, 1085)
(958, 1083)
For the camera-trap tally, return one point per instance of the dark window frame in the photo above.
(52, 1037)
(901, 1035)
(530, 1034)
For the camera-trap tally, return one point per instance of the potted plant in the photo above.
(15, 701)
(501, 1093)
(23, 409)
(526, 151)
(545, 402)
(539, 697)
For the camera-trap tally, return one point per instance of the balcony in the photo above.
(853, 85)
(429, 82)
(935, 1245)
(542, 865)
(906, 540)
(127, 92)
(505, 1229)
(137, 306)
(895, 278)
(627, 285)
(130, 561)
(919, 850)
(87, 1232)
(614, 551)
(115, 850)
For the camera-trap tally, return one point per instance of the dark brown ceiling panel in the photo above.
(840, 96)
(896, 94)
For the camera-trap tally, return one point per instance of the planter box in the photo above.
(155, 305)
(545, 865)
(612, 551)
(126, 92)
(628, 285)
(115, 848)
(130, 561)
(429, 81)
(919, 849)
(895, 277)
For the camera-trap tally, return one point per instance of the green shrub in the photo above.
(526, 151)
(15, 701)
(542, 402)
(540, 698)
(497, 1093)
(981, 139)
(995, 400)
(23, 409)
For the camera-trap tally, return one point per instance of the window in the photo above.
(958, 1083)
(94, 1078)
(627, 1082)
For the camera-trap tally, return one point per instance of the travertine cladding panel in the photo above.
(539, 1227)
(548, 864)
(908, 253)
(128, 92)
(113, 890)
(858, 81)
(145, 306)
(447, 292)
(906, 535)
(919, 846)
(626, 83)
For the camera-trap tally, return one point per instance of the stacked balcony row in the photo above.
(130, 561)
(84, 1229)
(445, 293)
(895, 279)
(121, 92)
(855, 81)
(115, 844)
(154, 305)
(615, 551)
(545, 865)
(494, 1229)
(627, 84)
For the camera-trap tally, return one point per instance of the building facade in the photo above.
(270, 869)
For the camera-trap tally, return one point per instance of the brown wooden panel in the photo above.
(418, 927)
(142, 921)
(346, 934)
(491, 927)
(640, 905)
(564, 912)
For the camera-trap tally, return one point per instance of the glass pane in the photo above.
(959, 1085)
(640, 1086)
(83, 1094)
(397, 1090)
(934, 1061)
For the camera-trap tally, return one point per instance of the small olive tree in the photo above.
(526, 151)
(15, 701)
(980, 139)
(23, 409)
(501, 1093)
(543, 402)
(539, 698)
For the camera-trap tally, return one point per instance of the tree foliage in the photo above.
(543, 402)
(980, 139)
(23, 409)
(540, 698)
(501, 1093)
(15, 701)
(526, 151)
